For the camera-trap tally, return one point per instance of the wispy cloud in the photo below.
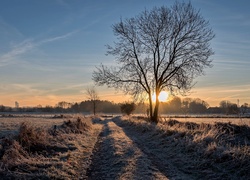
(17, 50)
(57, 38)
(27, 45)
(42, 89)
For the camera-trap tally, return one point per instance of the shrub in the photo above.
(127, 108)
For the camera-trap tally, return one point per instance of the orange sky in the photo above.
(211, 95)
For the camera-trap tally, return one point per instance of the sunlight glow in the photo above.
(163, 96)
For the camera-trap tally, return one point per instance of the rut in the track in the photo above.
(116, 156)
(155, 154)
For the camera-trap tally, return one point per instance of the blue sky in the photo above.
(49, 48)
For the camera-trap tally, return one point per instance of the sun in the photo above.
(163, 96)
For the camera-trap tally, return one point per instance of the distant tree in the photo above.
(186, 104)
(127, 108)
(108, 107)
(142, 108)
(2, 108)
(161, 49)
(175, 104)
(92, 95)
(228, 107)
(198, 106)
(224, 106)
(233, 109)
(63, 104)
(103, 106)
(205, 105)
(244, 108)
(75, 107)
(48, 109)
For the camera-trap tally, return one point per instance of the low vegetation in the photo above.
(63, 147)
(58, 152)
(128, 108)
(214, 151)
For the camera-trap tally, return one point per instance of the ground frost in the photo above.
(116, 156)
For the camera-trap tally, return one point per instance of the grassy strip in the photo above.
(210, 151)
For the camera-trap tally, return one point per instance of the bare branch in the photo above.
(164, 48)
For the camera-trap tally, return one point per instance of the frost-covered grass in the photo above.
(203, 118)
(46, 148)
(199, 150)
(212, 120)
(60, 147)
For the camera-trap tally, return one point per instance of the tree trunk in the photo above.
(94, 107)
(156, 111)
(150, 106)
(156, 108)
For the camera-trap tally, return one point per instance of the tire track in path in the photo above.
(116, 156)
(149, 146)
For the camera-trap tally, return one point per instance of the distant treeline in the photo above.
(198, 106)
(66, 107)
(174, 106)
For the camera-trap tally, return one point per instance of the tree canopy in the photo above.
(160, 49)
(92, 95)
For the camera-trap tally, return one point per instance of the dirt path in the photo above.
(130, 149)
(155, 154)
(117, 156)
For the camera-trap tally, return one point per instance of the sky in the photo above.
(50, 48)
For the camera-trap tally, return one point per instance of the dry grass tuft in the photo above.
(30, 136)
(14, 154)
(80, 125)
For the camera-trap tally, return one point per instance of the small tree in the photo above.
(93, 97)
(161, 49)
(127, 108)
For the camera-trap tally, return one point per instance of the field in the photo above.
(46, 147)
(78, 147)
(211, 120)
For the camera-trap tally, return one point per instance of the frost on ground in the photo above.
(60, 151)
(136, 149)
(193, 151)
(116, 156)
(125, 148)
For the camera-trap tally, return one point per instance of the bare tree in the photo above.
(161, 49)
(64, 104)
(92, 95)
